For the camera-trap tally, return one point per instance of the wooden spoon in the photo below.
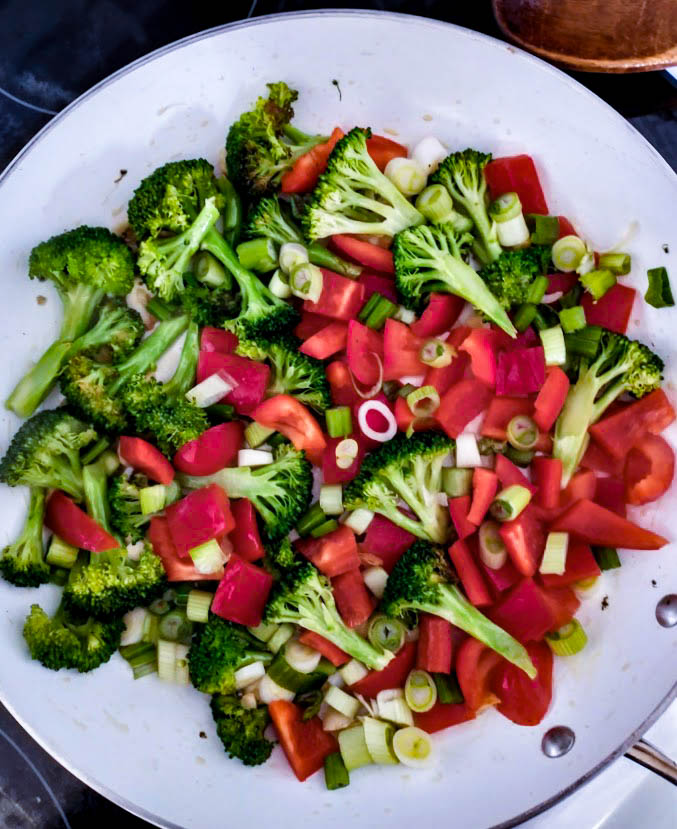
(594, 35)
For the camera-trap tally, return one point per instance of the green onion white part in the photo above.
(393, 707)
(456, 481)
(152, 498)
(279, 285)
(429, 152)
(343, 703)
(511, 226)
(467, 453)
(172, 662)
(346, 452)
(375, 578)
(407, 174)
(405, 315)
(378, 736)
(331, 499)
(198, 605)
(333, 720)
(249, 674)
(291, 255)
(61, 554)
(568, 252)
(300, 657)
(555, 556)
(359, 520)
(208, 557)
(209, 270)
(254, 457)
(420, 691)
(211, 390)
(493, 552)
(510, 502)
(264, 631)
(281, 636)
(413, 747)
(255, 434)
(436, 205)
(269, 691)
(553, 346)
(353, 747)
(423, 401)
(305, 281)
(386, 634)
(436, 353)
(522, 432)
(353, 672)
(597, 282)
(618, 263)
(135, 626)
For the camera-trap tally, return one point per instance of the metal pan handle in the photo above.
(651, 758)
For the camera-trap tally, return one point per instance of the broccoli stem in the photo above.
(184, 376)
(95, 485)
(232, 213)
(79, 304)
(35, 385)
(324, 258)
(302, 139)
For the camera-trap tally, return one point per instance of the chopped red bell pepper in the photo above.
(216, 339)
(469, 573)
(364, 350)
(245, 536)
(213, 450)
(307, 169)
(341, 298)
(517, 174)
(524, 539)
(334, 553)
(405, 417)
(376, 283)
(610, 494)
(198, 517)
(447, 376)
(386, 540)
(565, 227)
(458, 510)
(547, 476)
(72, 524)
(328, 649)
(582, 485)
(251, 378)
(310, 324)
(145, 458)
(394, 675)
(649, 469)
(326, 342)
(551, 398)
(287, 415)
(597, 525)
(509, 474)
(612, 311)
(520, 372)
(354, 602)
(596, 458)
(382, 150)
(580, 565)
(524, 612)
(482, 346)
(342, 389)
(304, 742)
(242, 592)
(484, 487)
(525, 701)
(475, 666)
(563, 282)
(331, 472)
(439, 315)
(617, 432)
(401, 351)
(461, 404)
(563, 604)
(176, 568)
(443, 715)
(501, 579)
(500, 412)
(363, 252)
(434, 652)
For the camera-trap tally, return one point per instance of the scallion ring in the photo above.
(568, 252)
(346, 452)
(493, 552)
(437, 354)
(379, 407)
(424, 401)
(420, 691)
(386, 633)
(305, 281)
(522, 432)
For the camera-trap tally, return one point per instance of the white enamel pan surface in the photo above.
(138, 742)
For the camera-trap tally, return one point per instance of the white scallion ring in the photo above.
(382, 409)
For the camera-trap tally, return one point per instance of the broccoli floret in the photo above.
(84, 264)
(353, 195)
(241, 729)
(126, 518)
(407, 469)
(280, 557)
(23, 562)
(280, 491)
(218, 650)
(303, 596)
(45, 452)
(621, 365)
(431, 259)
(70, 640)
(268, 220)
(262, 145)
(422, 582)
(292, 372)
(207, 305)
(510, 276)
(462, 174)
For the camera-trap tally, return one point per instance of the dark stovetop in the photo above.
(51, 53)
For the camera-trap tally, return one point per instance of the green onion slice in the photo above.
(505, 207)
(457, 482)
(378, 736)
(413, 747)
(339, 422)
(385, 633)
(353, 747)
(568, 252)
(510, 502)
(545, 228)
(346, 452)
(572, 319)
(436, 205)
(554, 346)
(437, 354)
(424, 401)
(597, 282)
(305, 281)
(522, 432)
(659, 293)
(606, 558)
(568, 640)
(448, 689)
(493, 552)
(199, 603)
(420, 691)
(335, 772)
(618, 263)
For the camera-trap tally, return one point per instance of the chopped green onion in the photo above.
(618, 263)
(159, 607)
(353, 748)
(456, 481)
(413, 747)
(406, 390)
(554, 559)
(524, 316)
(141, 658)
(405, 315)
(258, 255)
(325, 528)
(522, 432)
(538, 289)
(211, 390)
(437, 354)
(568, 640)
(493, 552)
(300, 657)
(93, 453)
(339, 422)
(331, 499)
(207, 557)
(505, 207)
(606, 558)
(448, 689)
(221, 412)
(597, 282)
(378, 736)
(291, 679)
(248, 674)
(279, 284)
(152, 498)
(291, 255)
(436, 205)
(393, 707)
(159, 309)
(659, 293)
(545, 228)
(553, 346)
(420, 691)
(255, 434)
(407, 175)
(511, 227)
(172, 665)
(311, 519)
(491, 446)
(346, 452)
(571, 298)
(520, 457)
(61, 554)
(376, 311)
(510, 502)
(342, 702)
(353, 672)
(359, 520)
(424, 401)
(584, 343)
(572, 319)
(136, 625)
(335, 772)
(199, 603)
(209, 270)
(305, 281)
(264, 631)
(174, 626)
(280, 638)
(386, 634)
(568, 252)
(376, 579)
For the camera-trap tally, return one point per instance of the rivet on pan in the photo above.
(558, 741)
(666, 611)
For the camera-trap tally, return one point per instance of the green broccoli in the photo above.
(280, 557)
(126, 518)
(70, 640)
(621, 365)
(262, 145)
(303, 596)
(218, 650)
(462, 174)
(204, 304)
(422, 582)
(241, 729)
(23, 562)
(292, 372)
(409, 470)
(510, 276)
(84, 264)
(45, 452)
(268, 220)
(280, 491)
(430, 258)
(354, 196)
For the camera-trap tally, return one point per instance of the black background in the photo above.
(51, 52)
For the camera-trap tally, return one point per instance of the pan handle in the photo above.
(647, 755)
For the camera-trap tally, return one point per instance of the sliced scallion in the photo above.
(407, 175)
(340, 701)
(520, 457)
(258, 255)
(413, 747)
(353, 747)
(376, 578)
(311, 519)
(279, 284)
(335, 772)
(448, 689)
(376, 311)
(199, 603)
(291, 255)
(174, 626)
(553, 346)
(331, 499)
(606, 558)
(618, 263)
(141, 658)
(420, 691)
(493, 552)
(305, 281)
(522, 432)
(437, 354)
(386, 634)
(597, 282)
(568, 252)
(545, 228)
(264, 631)
(572, 319)
(505, 207)
(255, 434)
(378, 736)
(61, 554)
(392, 706)
(152, 498)
(207, 557)
(510, 502)
(359, 520)
(346, 452)
(280, 637)
(568, 640)
(524, 316)
(659, 293)
(436, 205)
(209, 270)
(339, 422)
(584, 343)
(353, 672)
(457, 482)
(554, 559)
(423, 401)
